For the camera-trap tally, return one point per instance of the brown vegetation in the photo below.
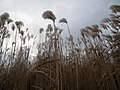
(92, 63)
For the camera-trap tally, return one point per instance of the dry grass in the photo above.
(92, 63)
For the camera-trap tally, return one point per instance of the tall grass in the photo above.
(92, 63)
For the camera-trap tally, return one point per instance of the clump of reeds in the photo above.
(92, 63)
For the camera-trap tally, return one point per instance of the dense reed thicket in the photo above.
(91, 63)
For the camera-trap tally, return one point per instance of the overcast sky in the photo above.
(79, 13)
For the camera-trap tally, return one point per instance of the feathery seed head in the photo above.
(19, 24)
(9, 21)
(88, 28)
(4, 16)
(115, 8)
(49, 15)
(63, 20)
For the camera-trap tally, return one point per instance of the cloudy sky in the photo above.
(79, 13)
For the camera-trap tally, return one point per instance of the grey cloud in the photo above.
(79, 13)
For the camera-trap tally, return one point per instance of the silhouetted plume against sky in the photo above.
(79, 13)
